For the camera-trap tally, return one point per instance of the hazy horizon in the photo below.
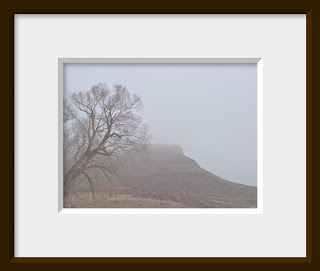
(210, 110)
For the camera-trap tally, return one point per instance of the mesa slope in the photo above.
(165, 178)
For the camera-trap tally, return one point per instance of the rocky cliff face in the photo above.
(165, 174)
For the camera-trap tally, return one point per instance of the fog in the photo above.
(210, 110)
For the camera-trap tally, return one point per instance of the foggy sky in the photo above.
(210, 110)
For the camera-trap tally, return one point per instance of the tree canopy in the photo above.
(101, 122)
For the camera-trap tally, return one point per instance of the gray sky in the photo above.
(210, 110)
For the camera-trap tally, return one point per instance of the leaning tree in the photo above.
(100, 123)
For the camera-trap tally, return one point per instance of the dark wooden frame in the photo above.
(7, 257)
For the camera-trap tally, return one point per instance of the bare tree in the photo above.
(100, 123)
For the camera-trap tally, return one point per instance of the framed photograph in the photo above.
(111, 158)
(161, 137)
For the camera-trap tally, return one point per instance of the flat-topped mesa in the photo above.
(165, 149)
(168, 156)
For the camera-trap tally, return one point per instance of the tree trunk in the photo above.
(77, 169)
